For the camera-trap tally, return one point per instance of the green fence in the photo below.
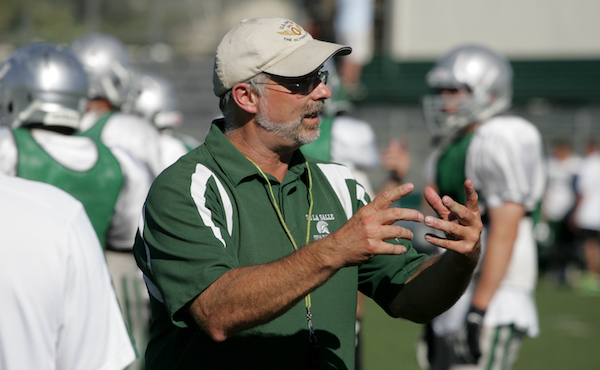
(559, 81)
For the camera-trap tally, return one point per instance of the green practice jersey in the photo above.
(97, 188)
(95, 132)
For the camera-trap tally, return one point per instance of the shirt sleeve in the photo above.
(383, 276)
(506, 162)
(94, 335)
(186, 246)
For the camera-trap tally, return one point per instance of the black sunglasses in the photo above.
(303, 86)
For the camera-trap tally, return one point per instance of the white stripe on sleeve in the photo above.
(198, 190)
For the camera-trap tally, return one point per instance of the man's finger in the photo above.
(392, 232)
(434, 200)
(459, 246)
(461, 212)
(388, 197)
(395, 214)
(472, 199)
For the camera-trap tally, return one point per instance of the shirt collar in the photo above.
(235, 165)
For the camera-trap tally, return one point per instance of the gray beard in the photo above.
(292, 130)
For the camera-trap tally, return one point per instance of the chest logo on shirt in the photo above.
(323, 227)
(322, 217)
(322, 224)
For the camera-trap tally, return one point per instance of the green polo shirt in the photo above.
(212, 212)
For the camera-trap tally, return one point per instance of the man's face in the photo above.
(453, 98)
(292, 116)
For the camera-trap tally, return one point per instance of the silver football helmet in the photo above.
(108, 64)
(154, 98)
(482, 74)
(42, 84)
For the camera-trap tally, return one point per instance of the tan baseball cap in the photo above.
(273, 45)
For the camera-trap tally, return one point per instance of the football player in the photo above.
(504, 157)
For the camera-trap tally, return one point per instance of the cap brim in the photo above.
(307, 58)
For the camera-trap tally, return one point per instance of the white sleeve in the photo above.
(506, 162)
(94, 335)
(135, 135)
(136, 183)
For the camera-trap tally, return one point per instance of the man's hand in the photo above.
(461, 224)
(442, 279)
(364, 235)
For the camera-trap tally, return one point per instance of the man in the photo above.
(250, 251)
(43, 93)
(108, 64)
(504, 157)
(59, 310)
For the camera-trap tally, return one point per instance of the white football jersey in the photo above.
(59, 309)
(506, 163)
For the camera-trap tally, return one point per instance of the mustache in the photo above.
(313, 109)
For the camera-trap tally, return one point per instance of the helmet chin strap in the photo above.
(26, 113)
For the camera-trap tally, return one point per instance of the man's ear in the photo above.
(245, 98)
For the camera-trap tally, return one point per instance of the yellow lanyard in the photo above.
(307, 301)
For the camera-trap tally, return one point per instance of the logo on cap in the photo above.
(292, 29)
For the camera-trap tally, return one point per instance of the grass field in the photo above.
(569, 337)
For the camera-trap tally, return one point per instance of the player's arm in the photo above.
(504, 226)
(245, 297)
(442, 279)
